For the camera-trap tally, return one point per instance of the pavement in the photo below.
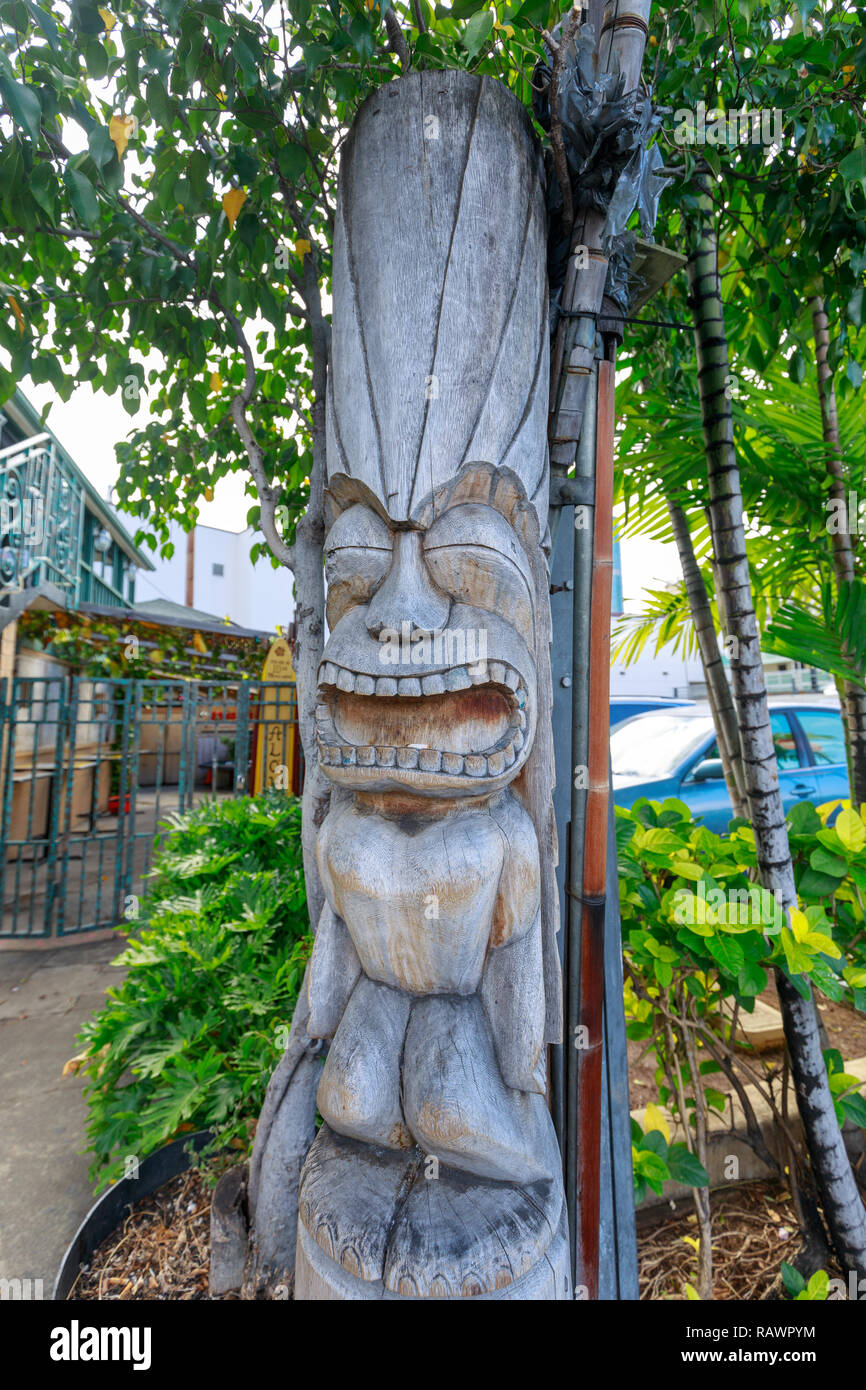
(45, 997)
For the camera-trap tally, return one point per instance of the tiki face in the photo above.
(428, 680)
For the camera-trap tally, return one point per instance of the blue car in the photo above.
(674, 753)
(624, 706)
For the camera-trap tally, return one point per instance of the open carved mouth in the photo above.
(466, 721)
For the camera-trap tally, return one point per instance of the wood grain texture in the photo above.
(389, 1229)
(437, 1173)
(420, 252)
(332, 975)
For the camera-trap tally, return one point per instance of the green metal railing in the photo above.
(41, 517)
(91, 769)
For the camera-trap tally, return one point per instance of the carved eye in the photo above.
(358, 554)
(474, 555)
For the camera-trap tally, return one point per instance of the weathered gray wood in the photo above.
(228, 1233)
(437, 1172)
(285, 1131)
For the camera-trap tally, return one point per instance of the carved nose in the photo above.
(408, 593)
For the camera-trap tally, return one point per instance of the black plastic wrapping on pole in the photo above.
(613, 166)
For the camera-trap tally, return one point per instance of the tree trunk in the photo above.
(842, 550)
(718, 690)
(843, 1208)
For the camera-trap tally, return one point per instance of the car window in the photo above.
(823, 729)
(783, 739)
(652, 746)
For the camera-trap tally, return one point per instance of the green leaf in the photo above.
(45, 23)
(813, 885)
(685, 1167)
(315, 54)
(477, 31)
(82, 196)
(86, 18)
(826, 863)
(728, 952)
(101, 146)
(292, 161)
(792, 1279)
(23, 105)
(43, 187)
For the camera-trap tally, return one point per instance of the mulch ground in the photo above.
(162, 1250)
(754, 1230)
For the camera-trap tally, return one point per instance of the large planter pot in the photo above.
(111, 1209)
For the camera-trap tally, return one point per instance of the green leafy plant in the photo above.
(815, 1291)
(701, 940)
(655, 1160)
(188, 1041)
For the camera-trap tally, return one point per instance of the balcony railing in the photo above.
(41, 517)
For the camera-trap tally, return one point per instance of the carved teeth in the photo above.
(426, 759)
(478, 673)
(364, 685)
(512, 680)
(409, 685)
(457, 679)
(497, 672)
(345, 681)
(329, 673)
(433, 685)
(386, 685)
(520, 721)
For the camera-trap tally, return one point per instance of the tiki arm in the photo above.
(510, 986)
(334, 971)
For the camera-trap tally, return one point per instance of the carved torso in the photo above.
(421, 898)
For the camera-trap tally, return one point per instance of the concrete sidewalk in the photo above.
(45, 996)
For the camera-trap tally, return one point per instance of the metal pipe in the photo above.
(583, 516)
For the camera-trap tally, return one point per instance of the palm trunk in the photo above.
(854, 702)
(843, 1209)
(718, 690)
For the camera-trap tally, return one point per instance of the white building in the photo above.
(214, 574)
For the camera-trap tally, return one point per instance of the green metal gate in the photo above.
(90, 770)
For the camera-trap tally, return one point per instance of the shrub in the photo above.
(189, 1039)
(700, 941)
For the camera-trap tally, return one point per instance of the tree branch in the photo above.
(396, 39)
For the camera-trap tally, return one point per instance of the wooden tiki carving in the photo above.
(436, 1173)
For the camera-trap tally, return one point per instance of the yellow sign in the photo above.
(277, 728)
